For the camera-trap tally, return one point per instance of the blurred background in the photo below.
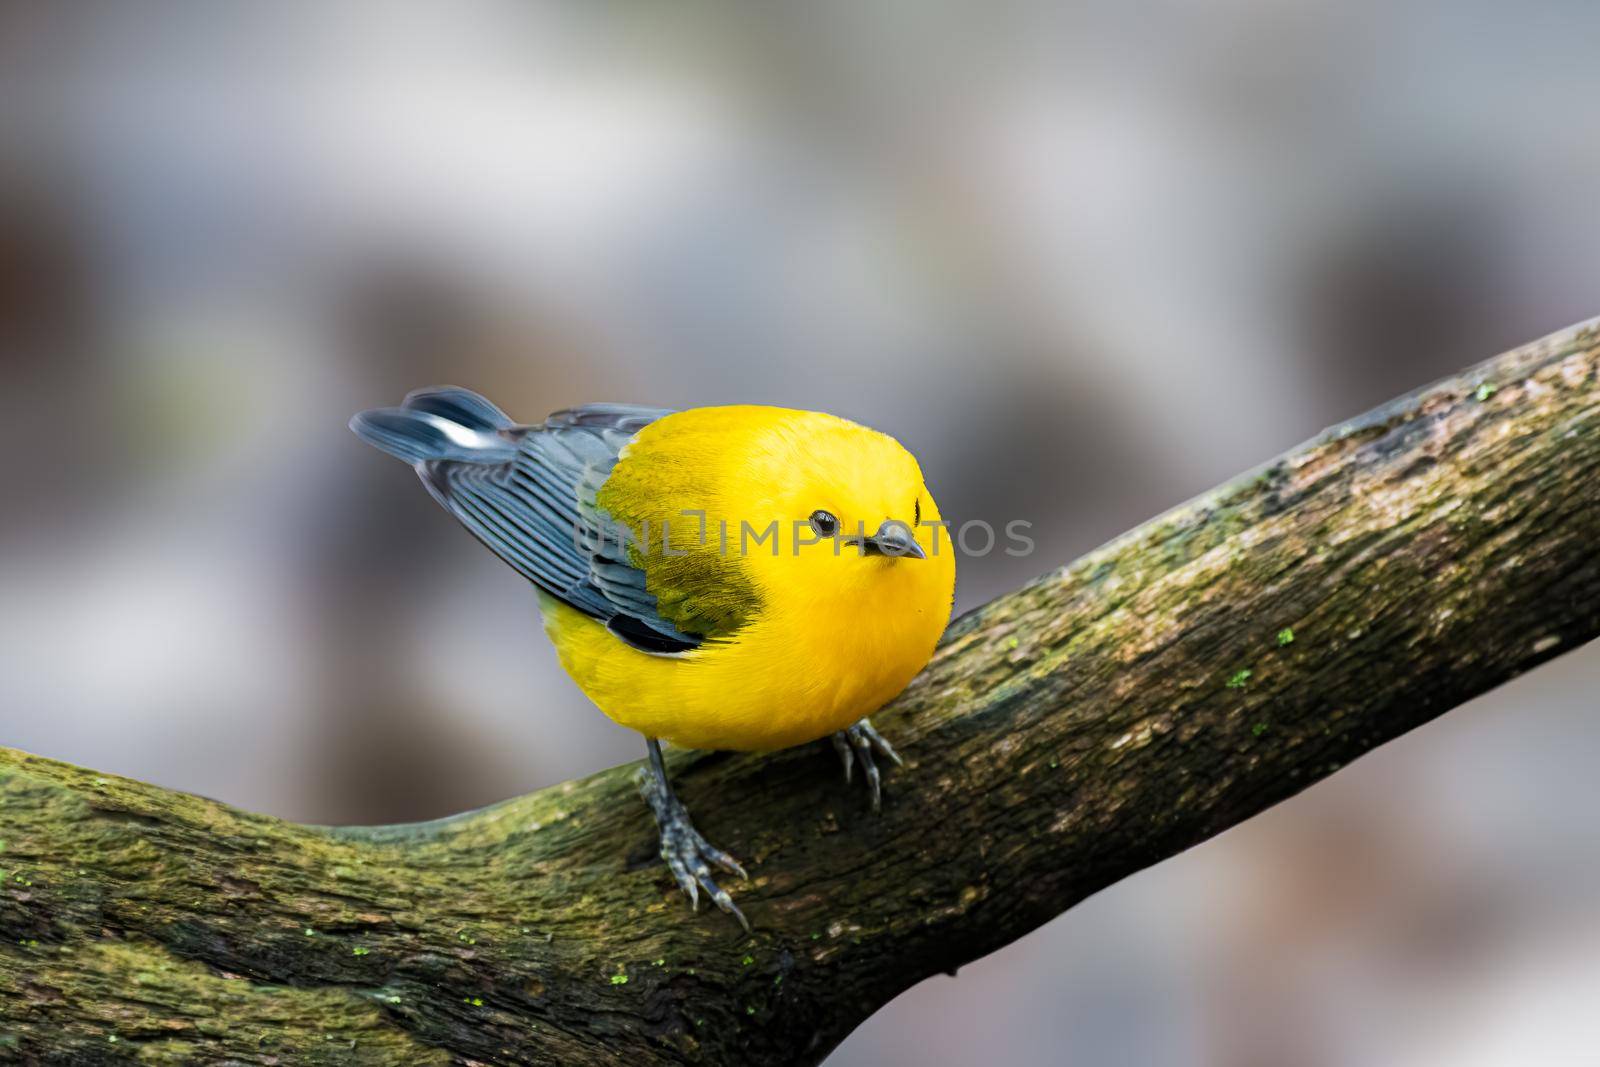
(1085, 259)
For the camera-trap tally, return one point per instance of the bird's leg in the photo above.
(688, 855)
(860, 742)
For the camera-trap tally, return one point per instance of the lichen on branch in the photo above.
(1196, 670)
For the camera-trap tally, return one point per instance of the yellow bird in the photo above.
(744, 578)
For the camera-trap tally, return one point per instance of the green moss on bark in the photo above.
(1065, 736)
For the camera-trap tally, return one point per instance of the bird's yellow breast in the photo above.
(819, 635)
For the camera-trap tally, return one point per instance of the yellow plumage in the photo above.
(837, 634)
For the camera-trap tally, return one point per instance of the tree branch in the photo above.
(1163, 688)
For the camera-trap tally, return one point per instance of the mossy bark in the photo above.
(1169, 685)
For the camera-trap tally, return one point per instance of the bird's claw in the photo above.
(860, 742)
(688, 855)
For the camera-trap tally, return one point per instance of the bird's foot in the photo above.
(860, 742)
(687, 854)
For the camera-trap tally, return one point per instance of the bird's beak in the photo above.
(892, 539)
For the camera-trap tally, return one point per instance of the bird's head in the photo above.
(857, 519)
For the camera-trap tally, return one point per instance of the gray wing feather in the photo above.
(528, 492)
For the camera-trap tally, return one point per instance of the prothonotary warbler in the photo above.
(744, 578)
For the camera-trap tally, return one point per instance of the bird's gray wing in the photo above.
(527, 492)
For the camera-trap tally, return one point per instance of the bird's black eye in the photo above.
(824, 523)
(916, 512)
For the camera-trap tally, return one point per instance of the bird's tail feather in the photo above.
(447, 423)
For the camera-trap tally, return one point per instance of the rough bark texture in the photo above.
(1169, 685)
